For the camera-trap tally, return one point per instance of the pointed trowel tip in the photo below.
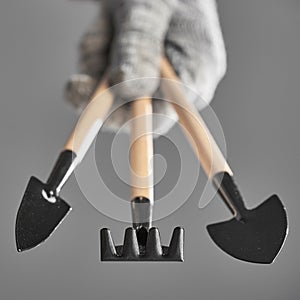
(29, 236)
(37, 217)
(24, 241)
(19, 247)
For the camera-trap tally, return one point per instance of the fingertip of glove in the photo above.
(129, 86)
(78, 90)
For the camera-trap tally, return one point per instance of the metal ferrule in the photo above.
(61, 171)
(142, 211)
(230, 194)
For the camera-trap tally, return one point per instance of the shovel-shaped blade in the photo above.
(37, 217)
(258, 238)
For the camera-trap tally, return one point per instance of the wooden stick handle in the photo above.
(203, 143)
(90, 121)
(141, 150)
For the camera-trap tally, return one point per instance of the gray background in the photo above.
(257, 104)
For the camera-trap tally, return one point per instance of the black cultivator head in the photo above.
(142, 245)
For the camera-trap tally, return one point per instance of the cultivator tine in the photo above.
(153, 246)
(176, 245)
(130, 247)
(108, 249)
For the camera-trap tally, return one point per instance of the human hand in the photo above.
(130, 36)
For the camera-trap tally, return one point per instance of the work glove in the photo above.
(128, 39)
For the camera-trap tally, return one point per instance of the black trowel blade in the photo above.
(259, 238)
(37, 218)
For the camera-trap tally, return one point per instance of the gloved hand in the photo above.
(131, 36)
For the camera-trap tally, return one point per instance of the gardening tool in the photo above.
(142, 241)
(41, 209)
(253, 235)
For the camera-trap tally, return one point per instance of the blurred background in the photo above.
(257, 104)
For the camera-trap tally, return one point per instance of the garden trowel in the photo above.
(255, 235)
(41, 209)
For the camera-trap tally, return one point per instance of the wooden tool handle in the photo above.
(141, 150)
(203, 143)
(90, 121)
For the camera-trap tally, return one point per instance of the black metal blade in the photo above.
(37, 218)
(135, 249)
(258, 238)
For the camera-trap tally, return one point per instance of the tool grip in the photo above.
(90, 121)
(141, 163)
(141, 149)
(203, 143)
(81, 138)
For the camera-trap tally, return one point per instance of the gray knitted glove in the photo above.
(131, 36)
